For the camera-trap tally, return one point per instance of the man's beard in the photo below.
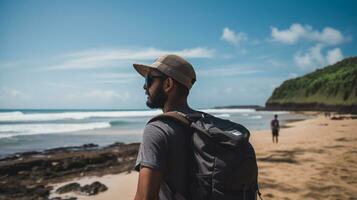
(157, 99)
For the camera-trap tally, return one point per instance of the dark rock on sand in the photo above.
(93, 188)
(25, 175)
(18, 191)
(90, 189)
(67, 198)
(71, 187)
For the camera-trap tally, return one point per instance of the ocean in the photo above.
(36, 130)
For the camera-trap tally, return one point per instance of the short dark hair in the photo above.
(181, 89)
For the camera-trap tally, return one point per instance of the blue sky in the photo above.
(79, 54)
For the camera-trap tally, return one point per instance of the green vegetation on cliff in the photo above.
(334, 85)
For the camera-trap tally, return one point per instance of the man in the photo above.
(163, 158)
(275, 128)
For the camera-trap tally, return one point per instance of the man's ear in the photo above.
(168, 84)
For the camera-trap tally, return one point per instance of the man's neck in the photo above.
(183, 106)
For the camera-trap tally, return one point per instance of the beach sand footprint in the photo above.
(281, 156)
(321, 190)
(334, 146)
(344, 139)
(289, 156)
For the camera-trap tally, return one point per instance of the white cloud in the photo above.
(273, 86)
(334, 56)
(100, 95)
(292, 75)
(228, 56)
(63, 85)
(15, 93)
(12, 98)
(242, 51)
(226, 71)
(297, 32)
(194, 53)
(328, 36)
(314, 58)
(107, 94)
(311, 59)
(232, 37)
(263, 57)
(115, 77)
(11, 92)
(228, 90)
(122, 57)
(275, 63)
(289, 36)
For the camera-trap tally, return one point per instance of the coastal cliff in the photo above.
(333, 88)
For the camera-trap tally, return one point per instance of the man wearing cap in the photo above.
(164, 154)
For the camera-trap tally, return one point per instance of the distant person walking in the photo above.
(274, 124)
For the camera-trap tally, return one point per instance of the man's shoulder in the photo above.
(165, 125)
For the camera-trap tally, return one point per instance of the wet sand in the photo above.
(314, 159)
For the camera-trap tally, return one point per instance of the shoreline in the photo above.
(117, 135)
(298, 167)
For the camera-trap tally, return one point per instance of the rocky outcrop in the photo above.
(27, 174)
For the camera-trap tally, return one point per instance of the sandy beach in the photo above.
(314, 159)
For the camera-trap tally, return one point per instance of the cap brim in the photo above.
(143, 70)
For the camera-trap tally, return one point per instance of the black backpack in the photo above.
(224, 162)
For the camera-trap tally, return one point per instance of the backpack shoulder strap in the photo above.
(175, 115)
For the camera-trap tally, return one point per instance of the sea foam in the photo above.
(32, 129)
(19, 116)
(70, 115)
(212, 111)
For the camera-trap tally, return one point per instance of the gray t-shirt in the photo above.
(166, 147)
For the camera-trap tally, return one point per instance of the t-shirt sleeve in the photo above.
(153, 148)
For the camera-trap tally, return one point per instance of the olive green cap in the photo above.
(173, 66)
